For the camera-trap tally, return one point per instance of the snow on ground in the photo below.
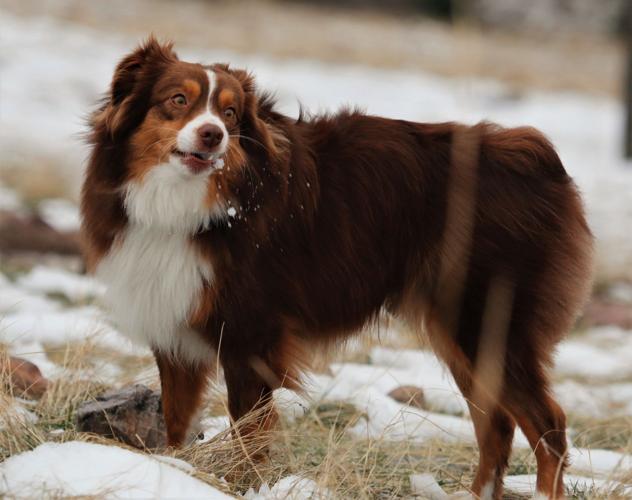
(84, 469)
(15, 412)
(14, 299)
(53, 73)
(58, 328)
(212, 426)
(601, 463)
(584, 461)
(291, 488)
(50, 280)
(29, 319)
(601, 488)
(426, 486)
(60, 214)
(581, 358)
(9, 199)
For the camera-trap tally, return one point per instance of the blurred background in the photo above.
(559, 65)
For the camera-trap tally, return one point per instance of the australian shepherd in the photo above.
(227, 230)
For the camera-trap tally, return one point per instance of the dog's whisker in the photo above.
(250, 139)
(170, 141)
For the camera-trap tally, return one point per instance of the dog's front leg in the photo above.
(250, 404)
(183, 386)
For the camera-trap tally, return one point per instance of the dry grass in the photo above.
(316, 445)
(54, 411)
(36, 180)
(613, 433)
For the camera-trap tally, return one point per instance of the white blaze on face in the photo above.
(188, 135)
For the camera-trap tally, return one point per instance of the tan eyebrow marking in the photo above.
(226, 98)
(192, 88)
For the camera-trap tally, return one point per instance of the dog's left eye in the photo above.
(179, 100)
(229, 112)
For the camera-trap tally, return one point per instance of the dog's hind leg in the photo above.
(544, 424)
(473, 344)
(494, 429)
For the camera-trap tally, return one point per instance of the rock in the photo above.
(410, 395)
(132, 415)
(29, 233)
(26, 377)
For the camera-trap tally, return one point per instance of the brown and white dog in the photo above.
(225, 229)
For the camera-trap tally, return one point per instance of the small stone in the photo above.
(132, 415)
(26, 377)
(410, 395)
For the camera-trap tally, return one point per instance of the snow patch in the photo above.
(9, 199)
(290, 488)
(13, 412)
(60, 214)
(85, 469)
(61, 327)
(577, 358)
(13, 299)
(53, 280)
(213, 426)
(426, 486)
(602, 463)
(525, 484)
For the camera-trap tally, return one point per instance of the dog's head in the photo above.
(172, 125)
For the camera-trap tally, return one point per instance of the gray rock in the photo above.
(131, 414)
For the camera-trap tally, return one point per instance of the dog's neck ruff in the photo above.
(171, 198)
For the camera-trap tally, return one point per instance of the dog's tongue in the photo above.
(196, 164)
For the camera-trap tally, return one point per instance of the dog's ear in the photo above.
(131, 85)
(254, 121)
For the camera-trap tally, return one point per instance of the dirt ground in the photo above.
(294, 30)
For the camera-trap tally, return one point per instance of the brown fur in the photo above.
(344, 214)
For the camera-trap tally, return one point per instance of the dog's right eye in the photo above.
(179, 100)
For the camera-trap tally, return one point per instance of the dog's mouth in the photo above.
(198, 161)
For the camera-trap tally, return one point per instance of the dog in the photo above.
(226, 230)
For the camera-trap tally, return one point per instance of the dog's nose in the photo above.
(210, 135)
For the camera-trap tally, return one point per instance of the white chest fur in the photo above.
(153, 282)
(153, 273)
